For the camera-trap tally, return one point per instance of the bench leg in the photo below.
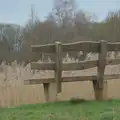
(100, 93)
(50, 92)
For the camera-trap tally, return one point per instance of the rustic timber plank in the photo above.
(90, 46)
(49, 48)
(82, 65)
(113, 46)
(71, 79)
(63, 79)
(87, 46)
(112, 77)
(65, 66)
(39, 81)
(43, 65)
(114, 61)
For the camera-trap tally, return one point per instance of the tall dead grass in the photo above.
(13, 92)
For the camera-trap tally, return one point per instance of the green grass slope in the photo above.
(85, 110)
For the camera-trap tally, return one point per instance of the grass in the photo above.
(87, 110)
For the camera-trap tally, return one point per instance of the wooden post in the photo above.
(50, 92)
(58, 69)
(100, 93)
(100, 86)
(51, 89)
(46, 91)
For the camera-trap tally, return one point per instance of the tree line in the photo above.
(65, 23)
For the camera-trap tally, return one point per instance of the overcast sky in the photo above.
(17, 11)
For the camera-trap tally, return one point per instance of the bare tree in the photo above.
(29, 28)
(12, 35)
(64, 12)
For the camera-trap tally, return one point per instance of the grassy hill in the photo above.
(86, 110)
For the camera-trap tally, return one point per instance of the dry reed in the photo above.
(13, 92)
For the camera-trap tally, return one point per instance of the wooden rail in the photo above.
(54, 86)
(72, 66)
(70, 79)
(87, 46)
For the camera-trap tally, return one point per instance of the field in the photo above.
(13, 92)
(67, 110)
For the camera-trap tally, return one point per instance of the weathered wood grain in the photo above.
(70, 79)
(87, 46)
(101, 62)
(49, 48)
(58, 65)
(114, 61)
(113, 46)
(73, 65)
(65, 66)
(99, 86)
(63, 79)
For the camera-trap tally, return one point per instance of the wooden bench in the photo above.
(52, 86)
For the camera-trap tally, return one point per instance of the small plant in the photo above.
(76, 100)
(109, 115)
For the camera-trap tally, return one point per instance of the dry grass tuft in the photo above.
(13, 92)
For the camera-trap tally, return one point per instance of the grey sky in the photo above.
(17, 11)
